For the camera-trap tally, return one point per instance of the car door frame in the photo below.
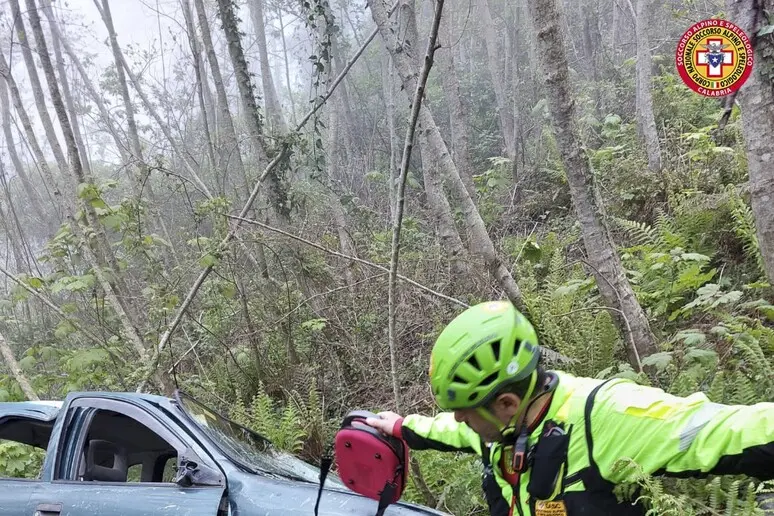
(80, 412)
(36, 414)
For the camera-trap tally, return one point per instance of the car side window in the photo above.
(119, 448)
(23, 444)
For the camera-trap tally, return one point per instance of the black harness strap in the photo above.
(325, 467)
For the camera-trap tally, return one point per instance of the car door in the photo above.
(25, 429)
(118, 457)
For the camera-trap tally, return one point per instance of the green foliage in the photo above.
(19, 460)
(564, 305)
(688, 497)
(455, 480)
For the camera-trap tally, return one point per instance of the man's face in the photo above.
(481, 426)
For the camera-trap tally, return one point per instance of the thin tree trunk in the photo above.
(193, 42)
(16, 371)
(32, 195)
(756, 98)
(433, 146)
(86, 79)
(67, 94)
(11, 225)
(141, 179)
(389, 91)
(645, 117)
(346, 244)
(37, 89)
(184, 155)
(273, 108)
(135, 147)
(457, 111)
(608, 271)
(59, 201)
(495, 71)
(253, 118)
(436, 199)
(287, 67)
(226, 122)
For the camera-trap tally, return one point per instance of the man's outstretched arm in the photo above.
(441, 432)
(677, 436)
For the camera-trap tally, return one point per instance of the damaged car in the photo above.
(141, 455)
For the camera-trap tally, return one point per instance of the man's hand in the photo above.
(386, 422)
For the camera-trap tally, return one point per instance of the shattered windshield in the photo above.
(248, 449)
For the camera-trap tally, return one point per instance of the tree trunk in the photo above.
(201, 79)
(16, 371)
(37, 89)
(106, 255)
(32, 195)
(389, 92)
(645, 118)
(756, 98)
(66, 93)
(253, 118)
(87, 83)
(275, 194)
(287, 67)
(609, 273)
(433, 147)
(226, 125)
(494, 54)
(12, 227)
(437, 202)
(141, 180)
(458, 113)
(59, 201)
(273, 108)
(334, 160)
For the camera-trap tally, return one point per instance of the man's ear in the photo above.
(507, 403)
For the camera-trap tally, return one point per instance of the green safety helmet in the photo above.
(484, 348)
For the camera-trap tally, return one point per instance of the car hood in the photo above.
(255, 495)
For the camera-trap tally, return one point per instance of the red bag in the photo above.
(368, 462)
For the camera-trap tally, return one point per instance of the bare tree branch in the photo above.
(408, 146)
(416, 103)
(354, 258)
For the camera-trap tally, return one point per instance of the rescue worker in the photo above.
(549, 441)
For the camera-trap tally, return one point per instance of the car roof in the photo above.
(44, 410)
(47, 410)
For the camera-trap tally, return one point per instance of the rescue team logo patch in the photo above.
(714, 58)
(553, 508)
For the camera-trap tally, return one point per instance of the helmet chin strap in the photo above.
(517, 420)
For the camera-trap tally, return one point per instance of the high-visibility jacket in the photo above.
(589, 425)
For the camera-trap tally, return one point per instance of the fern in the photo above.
(744, 226)
(641, 233)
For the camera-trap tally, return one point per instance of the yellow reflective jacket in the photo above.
(591, 424)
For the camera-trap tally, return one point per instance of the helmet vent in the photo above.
(496, 350)
(459, 379)
(489, 379)
(474, 362)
